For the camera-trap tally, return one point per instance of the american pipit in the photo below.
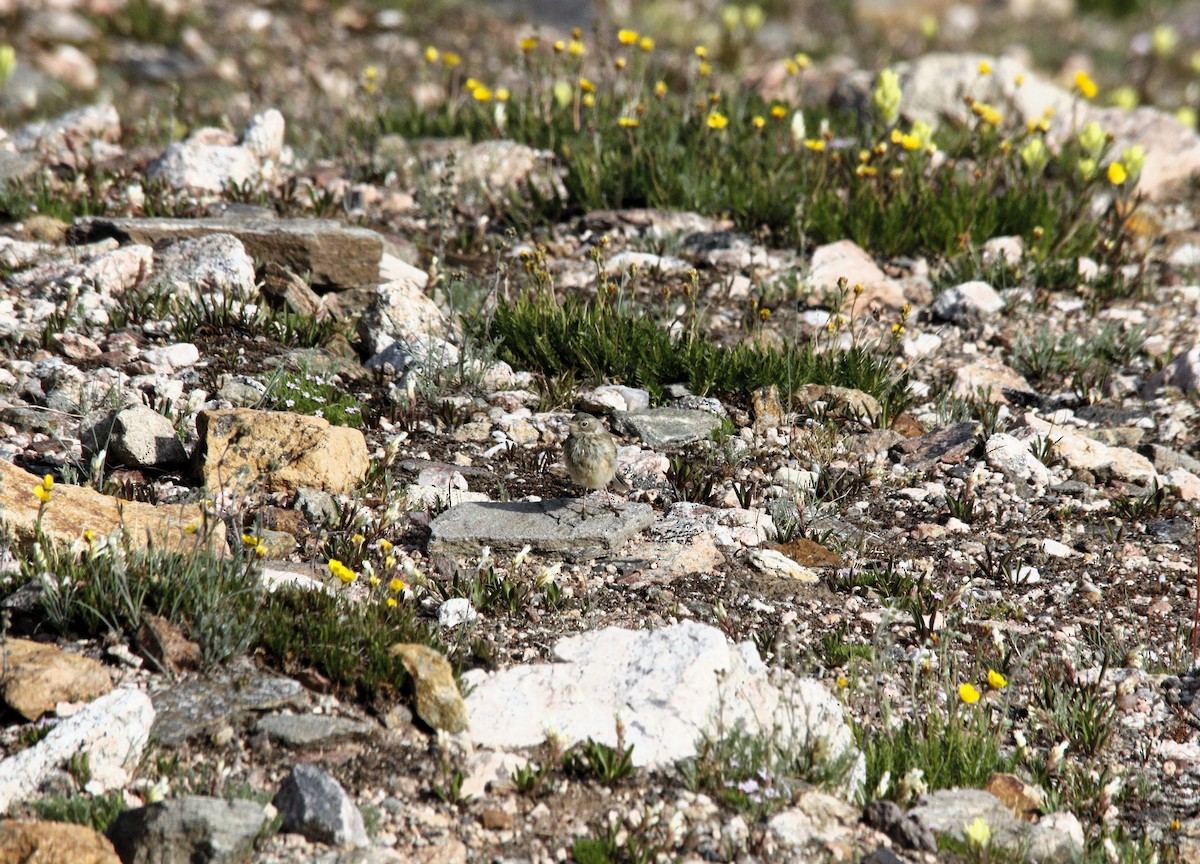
(590, 453)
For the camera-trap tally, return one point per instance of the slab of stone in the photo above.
(134, 437)
(75, 508)
(559, 526)
(334, 254)
(845, 259)
(214, 265)
(818, 824)
(775, 563)
(111, 731)
(314, 804)
(1012, 457)
(991, 379)
(198, 706)
(278, 451)
(1058, 837)
(191, 828)
(438, 701)
(949, 445)
(38, 676)
(665, 427)
(27, 842)
(667, 686)
(1081, 453)
(306, 730)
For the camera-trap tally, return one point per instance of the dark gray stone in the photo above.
(950, 445)
(188, 830)
(563, 526)
(314, 804)
(889, 818)
(200, 706)
(305, 730)
(665, 427)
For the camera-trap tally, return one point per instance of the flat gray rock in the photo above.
(560, 526)
(136, 437)
(198, 706)
(666, 427)
(305, 730)
(192, 828)
(950, 444)
(1058, 837)
(334, 254)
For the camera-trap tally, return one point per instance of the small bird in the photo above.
(590, 453)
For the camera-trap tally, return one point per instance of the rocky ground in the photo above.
(256, 328)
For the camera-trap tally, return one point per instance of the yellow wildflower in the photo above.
(790, 67)
(432, 55)
(996, 680)
(646, 44)
(502, 94)
(1019, 79)
(778, 111)
(815, 144)
(978, 833)
(481, 94)
(529, 43)
(396, 586)
(705, 69)
(47, 482)
(450, 59)
(1085, 85)
(701, 51)
(716, 120)
(586, 86)
(987, 113)
(1164, 39)
(842, 682)
(341, 571)
(41, 494)
(560, 46)
(758, 121)
(250, 541)
(660, 89)
(1133, 158)
(391, 601)
(865, 170)
(886, 97)
(985, 68)
(358, 539)
(589, 101)
(575, 48)
(1117, 174)
(619, 63)
(627, 122)
(802, 60)
(627, 37)
(968, 694)
(374, 581)
(89, 536)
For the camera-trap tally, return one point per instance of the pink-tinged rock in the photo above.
(1183, 483)
(847, 260)
(113, 273)
(202, 167)
(990, 378)
(68, 64)
(168, 358)
(264, 134)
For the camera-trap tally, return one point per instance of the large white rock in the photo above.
(668, 687)
(112, 731)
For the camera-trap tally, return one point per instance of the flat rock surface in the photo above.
(333, 253)
(556, 526)
(198, 705)
(74, 508)
(38, 676)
